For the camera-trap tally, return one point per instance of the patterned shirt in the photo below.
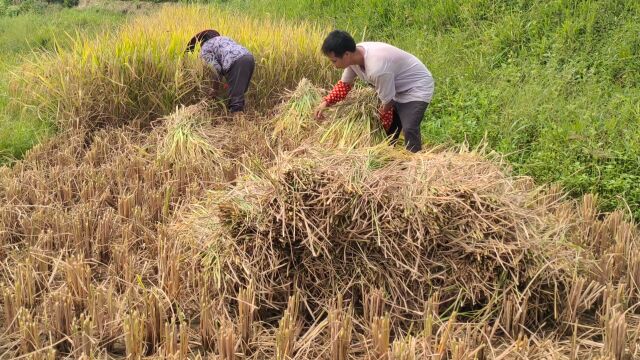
(221, 52)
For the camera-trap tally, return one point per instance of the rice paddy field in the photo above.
(152, 224)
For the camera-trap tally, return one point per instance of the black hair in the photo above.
(201, 38)
(338, 42)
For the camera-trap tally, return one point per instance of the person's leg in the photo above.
(396, 127)
(239, 77)
(411, 115)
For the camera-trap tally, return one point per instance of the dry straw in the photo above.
(348, 124)
(305, 210)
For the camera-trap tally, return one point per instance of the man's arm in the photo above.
(385, 87)
(338, 93)
(342, 88)
(386, 90)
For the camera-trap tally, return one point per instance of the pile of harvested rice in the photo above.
(328, 222)
(192, 239)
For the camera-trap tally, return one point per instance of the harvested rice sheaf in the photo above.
(348, 124)
(353, 122)
(332, 222)
(294, 116)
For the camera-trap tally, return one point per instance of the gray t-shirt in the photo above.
(221, 52)
(396, 74)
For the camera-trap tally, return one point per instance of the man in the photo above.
(402, 82)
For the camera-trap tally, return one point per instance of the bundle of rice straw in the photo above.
(294, 116)
(185, 139)
(204, 139)
(348, 124)
(354, 121)
(335, 221)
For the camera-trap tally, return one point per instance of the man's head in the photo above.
(339, 47)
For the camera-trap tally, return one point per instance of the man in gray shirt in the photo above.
(403, 84)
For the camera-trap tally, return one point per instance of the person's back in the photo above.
(229, 59)
(222, 52)
(411, 78)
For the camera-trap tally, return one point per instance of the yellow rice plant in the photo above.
(353, 122)
(185, 141)
(141, 71)
(295, 116)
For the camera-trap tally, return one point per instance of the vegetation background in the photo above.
(553, 85)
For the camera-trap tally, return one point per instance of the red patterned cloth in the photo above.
(386, 118)
(338, 93)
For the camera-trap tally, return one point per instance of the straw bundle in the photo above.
(348, 124)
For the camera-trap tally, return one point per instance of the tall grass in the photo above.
(29, 36)
(141, 72)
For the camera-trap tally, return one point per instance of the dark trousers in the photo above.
(238, 77)
(407, 118)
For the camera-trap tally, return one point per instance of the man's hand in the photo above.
(318, 112)
(385, 113)
(385, 108)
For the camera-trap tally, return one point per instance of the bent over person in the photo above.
(402, 82)
(230, 60)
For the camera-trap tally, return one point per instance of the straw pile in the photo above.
(349, 124)
(328, 222)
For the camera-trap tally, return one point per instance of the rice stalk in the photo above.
(227, 341)
(404, 349)
(82, 336)
(246, 313)
(135, 332)
(288, 329)
(341, 328)
(380, 337)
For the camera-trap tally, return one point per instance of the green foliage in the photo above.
(20, 7)
(28, 36)
(70, 3)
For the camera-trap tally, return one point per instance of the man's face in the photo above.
(339, 62)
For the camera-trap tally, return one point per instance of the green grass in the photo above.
(554, 84)
(25, 37)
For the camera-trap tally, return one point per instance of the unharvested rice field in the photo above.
(154, 225)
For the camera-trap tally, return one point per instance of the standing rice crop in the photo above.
(141, 72)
